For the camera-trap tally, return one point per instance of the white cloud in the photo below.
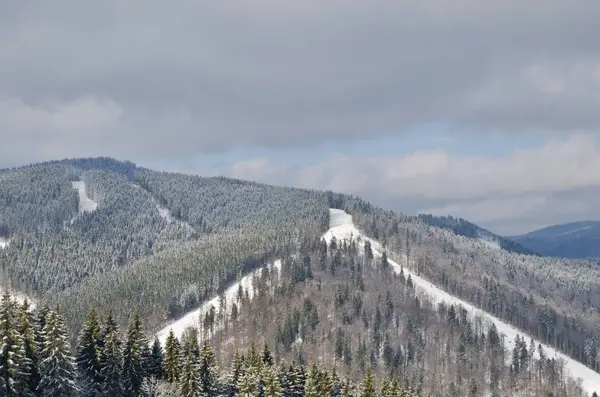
(524, 188)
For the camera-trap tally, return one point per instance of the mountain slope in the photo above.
(127, 256)
(359, 300)
(465, 228)
(571, 240)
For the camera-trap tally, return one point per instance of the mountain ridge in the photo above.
(579, 239)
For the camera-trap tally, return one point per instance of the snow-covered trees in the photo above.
(57, 366)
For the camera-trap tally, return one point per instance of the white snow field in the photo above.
(85, 203)
(3, 242)
(194, 318)
(342, 227)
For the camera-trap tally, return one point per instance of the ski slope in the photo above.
(85, 203)
(342, 227)
(194, 318)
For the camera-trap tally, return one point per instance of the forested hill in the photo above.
(70, 224)
(462, 227)
(99, 233)
(570, 240)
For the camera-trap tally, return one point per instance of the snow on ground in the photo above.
(18, 297)
(3, 242)
(342, 227)
(195, 318)
(164, 213)
(85, 203)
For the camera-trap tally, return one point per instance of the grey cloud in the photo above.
(190, 76)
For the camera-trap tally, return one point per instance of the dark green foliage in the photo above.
(133, 358)
(88, 357)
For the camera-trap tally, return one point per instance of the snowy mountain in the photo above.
(170, 246)
(570, 240)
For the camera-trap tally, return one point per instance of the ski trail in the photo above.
(342, 227)
(195, 318)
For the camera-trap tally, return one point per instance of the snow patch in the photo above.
(343, 228)
(3, 242)
(85, 203)
(195, 318)
(19, 297)
(164, 213)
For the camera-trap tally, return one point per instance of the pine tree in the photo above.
(12, 351)
(57, 366)
(312, 382)
(172, 358)
(30, 366)
(154, 365)
(88, 357)
(235, 374)
(267, 357)
(272, 387)
(189, 382)
(347, 388)
(111, 360)
(368, 388)
(208, 372)
(133, 360)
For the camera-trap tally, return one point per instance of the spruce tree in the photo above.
(272, 386)
(57, 366)
(189, 382)
(267, 357)
(12, 351)
(30, 365)
(133, 359)
(154, 365)
(88, 357)
(368, 388)
(208, 372)
(172, 358)
(111, 360)
(312, 382)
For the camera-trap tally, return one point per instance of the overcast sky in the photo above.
(488, 110)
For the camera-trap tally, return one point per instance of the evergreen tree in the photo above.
(111, 360)
(272, 387)
(368, 387)
(208, 372)
(189, 382)
(12, 351)
(30, 366)
(267, 357)
(312, 382)
(88, 357)
(154, 365)
(133, 360)
(57, 366)
(172, 358)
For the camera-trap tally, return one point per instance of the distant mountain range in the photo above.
(570, 240)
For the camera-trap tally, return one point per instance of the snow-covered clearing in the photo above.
(342, 227)
(3, 242)
(85, 203)
(194, 318)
